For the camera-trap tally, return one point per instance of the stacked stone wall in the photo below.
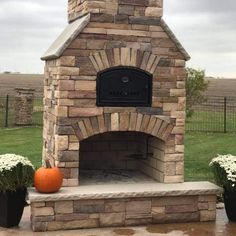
(70, 97)
(79, 214)
(119, 9)
(24, 106)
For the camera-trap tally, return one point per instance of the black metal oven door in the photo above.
(124, 87)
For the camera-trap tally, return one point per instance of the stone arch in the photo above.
(110, 122)
(108, 58)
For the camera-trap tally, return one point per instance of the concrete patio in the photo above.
(219, 228)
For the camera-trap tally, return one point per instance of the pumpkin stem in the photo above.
(48, 164)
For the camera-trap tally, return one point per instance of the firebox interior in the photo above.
(117, 157)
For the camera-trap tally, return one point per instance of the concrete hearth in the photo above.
(113, 177)
(123, 204)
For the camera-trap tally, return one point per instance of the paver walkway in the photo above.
(219, 228)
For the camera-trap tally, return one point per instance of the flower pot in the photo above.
(230, 204)
(12, 206)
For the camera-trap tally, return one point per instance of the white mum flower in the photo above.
(8, 161)
(228, 164)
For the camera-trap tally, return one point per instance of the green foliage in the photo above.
(195, 86)
(16, 172)
(220, 175)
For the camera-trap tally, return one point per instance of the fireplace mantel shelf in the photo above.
(127, 190)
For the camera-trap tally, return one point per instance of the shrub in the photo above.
(195, 86)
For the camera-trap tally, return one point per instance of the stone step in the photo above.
(94, 206)
(127, 190)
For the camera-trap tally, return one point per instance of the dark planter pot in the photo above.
(230, 204)
(11, 207)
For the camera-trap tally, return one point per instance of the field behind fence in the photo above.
(217, 114)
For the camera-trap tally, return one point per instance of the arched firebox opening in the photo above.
(121, 157)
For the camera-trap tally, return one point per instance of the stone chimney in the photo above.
(115, 10)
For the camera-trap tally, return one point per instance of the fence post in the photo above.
(7, 109)
(225, 115)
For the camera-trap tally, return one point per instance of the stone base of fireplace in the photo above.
(123, 204)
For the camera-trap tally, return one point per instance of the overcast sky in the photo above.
(206, 28)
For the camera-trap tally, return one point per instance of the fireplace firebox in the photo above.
(124, 87)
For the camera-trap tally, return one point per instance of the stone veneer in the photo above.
(91, 207)
(121, 10)
(62, 132)
(24, 106)
(71, 114)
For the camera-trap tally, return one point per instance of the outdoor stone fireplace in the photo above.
(134, 38)
(114, 97)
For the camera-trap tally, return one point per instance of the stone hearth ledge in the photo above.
(117, 191)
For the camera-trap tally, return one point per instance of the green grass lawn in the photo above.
(200, 148)
(25, 141)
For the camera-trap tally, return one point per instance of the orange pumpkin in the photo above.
(48, 179)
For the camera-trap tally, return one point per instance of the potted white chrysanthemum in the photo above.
(224, 169)
(16, 174)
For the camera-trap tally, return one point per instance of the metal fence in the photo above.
(7, 111)
(217, 114)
